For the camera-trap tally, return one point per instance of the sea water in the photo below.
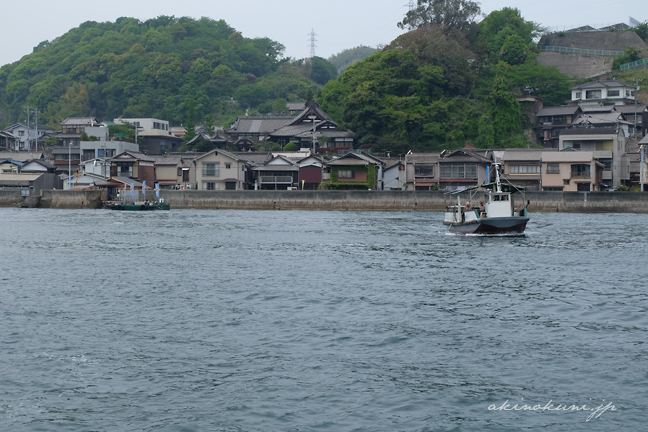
(320, 321)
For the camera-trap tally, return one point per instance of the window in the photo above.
(578, 95)
(607, 164)
(228, 165)
(576, 145)
(580, 170)
(593, 94)
(230, 185)
(630, 93)
(424, 170)
(553, 168)
(346, 174)
(552, 189)
(459, 171)
(21, 133)
(612, 93)
(525, 169)
(211, 169)
(211, 186)
(603, 145)
(566, 182)
(179, 172)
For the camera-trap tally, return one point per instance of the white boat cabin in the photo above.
(499, 205)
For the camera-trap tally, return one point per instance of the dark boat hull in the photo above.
(497, 225)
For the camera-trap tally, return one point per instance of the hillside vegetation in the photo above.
(156, 69)
(442, 85)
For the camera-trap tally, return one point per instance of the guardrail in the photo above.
(633, 64)
(560, 49)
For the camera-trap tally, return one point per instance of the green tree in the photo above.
(503, 107)
(323, 71)
(457, 14)
(290, 147)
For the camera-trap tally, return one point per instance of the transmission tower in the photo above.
(312, 43)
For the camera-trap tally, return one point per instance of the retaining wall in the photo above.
(608, 202)
(74, 199)
(622, 202)
(10, 198)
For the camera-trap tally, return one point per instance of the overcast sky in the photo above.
(338, 24)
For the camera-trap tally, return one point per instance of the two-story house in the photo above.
(571, 171)
(421, 170)
(607, 145)
(609, 92)
(463, 168)
(26, 137)
(220, 170)
(355, 170)
(73, 127)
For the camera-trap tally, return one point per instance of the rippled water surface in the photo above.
(319, 321)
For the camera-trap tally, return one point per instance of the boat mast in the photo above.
(497, 177)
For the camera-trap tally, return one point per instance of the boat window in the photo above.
(496, 197)
(504, 197)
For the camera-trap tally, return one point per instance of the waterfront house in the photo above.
(133, 165)
(355, 170)
(422, 170)
(220, 170)
(30, 184)
(394, 177)
(522, 167)
(310, 172)
(278, 173)
(463, 168)
(172, 171)
(571, 171)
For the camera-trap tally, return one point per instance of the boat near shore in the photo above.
(496, 216)
(140, 206)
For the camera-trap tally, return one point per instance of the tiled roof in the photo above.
(599, 84)
(558, 110)
(258, 124)
(598, 118)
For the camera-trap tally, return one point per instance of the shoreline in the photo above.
(569, 202)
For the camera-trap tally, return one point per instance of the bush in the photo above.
(291, 147)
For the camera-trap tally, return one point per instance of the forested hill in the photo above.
(155, 68)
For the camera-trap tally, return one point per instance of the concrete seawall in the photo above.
(608, 202)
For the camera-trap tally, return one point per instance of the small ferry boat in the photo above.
(140, 206)
(496, 216)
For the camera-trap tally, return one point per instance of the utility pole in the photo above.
(637, 81)
(28, 146)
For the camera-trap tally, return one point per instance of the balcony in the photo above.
(277, 179)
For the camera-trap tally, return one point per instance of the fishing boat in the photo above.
(141, 206)
(496, 216)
